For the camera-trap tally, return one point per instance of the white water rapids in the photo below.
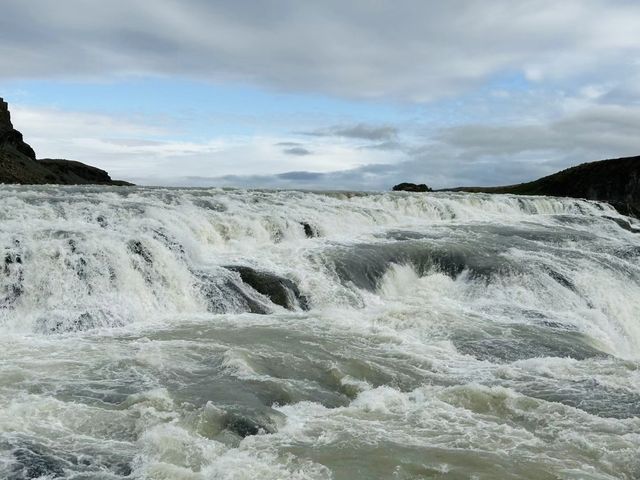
(152, 333)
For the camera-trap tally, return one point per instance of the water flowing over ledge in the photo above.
(191, 333)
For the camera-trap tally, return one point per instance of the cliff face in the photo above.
(5, 117)
(18, 162)
(615, 181)
(10, 138)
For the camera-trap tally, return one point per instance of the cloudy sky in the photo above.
(337, 94)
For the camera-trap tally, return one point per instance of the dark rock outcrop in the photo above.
(245, 426)
(309, 230)
(411, 187)
(5, 116)
(78, 173)
(10, 138)
(18, 162)
(615, 181)
(279, 290)
(225, 295)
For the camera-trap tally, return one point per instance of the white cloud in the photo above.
(132, 149)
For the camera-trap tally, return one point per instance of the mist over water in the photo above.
(210, 334)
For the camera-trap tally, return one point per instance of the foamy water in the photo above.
(210, 334)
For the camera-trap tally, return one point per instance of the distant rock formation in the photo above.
(615, 181)
(10, 138)
(411, 187)
(18, 162)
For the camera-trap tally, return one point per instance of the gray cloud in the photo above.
(300, 176)
(410, 50)
(299, 151)
(388, 146)
(359, 131)
(596, 130)
(294, 148)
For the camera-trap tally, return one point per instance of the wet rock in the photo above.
(12, 269)
(243, 426)
(225, 296)
(627, 252)
(137, 248)
(168, 241)
(53, 325)
(411, 187)
(309, 230)
(12, 293)
(11, 259)
(279, 290)
(66, 322)
(559, 278)
(142, 261)
(102, 221)
(73, 246)
(624, 224)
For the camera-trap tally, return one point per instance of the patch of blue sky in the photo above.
(198, 108)
(197, 111)
(500, 99)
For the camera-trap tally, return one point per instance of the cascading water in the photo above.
(197, 334)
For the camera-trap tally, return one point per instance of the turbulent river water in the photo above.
(210, 334)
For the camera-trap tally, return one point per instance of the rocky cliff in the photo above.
(18, 163)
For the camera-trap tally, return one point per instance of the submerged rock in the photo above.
(309, 230)
(624, 224)
(224, 296)
(55, 323)
(279, 290)
(12, 270)
(136, 247)
(244, 426)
